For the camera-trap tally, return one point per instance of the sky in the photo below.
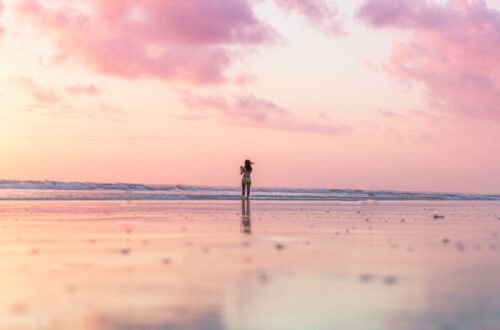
(370, 94)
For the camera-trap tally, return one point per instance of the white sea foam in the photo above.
(53, 190)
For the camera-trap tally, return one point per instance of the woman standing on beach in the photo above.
(246, 181)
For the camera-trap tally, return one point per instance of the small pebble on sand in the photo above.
(279, 246)
(18, 309)
(390, 280)
(365, 277)
(263, 278)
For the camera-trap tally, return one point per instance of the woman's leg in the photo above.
(248, 190)
(242, 190)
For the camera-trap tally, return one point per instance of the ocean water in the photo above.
(53, 190)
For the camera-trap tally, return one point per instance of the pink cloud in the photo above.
(452, 50)
(83, 89)
(188, 40)
(41, 94)
(318, 12)
(404, 14)
(249, 110)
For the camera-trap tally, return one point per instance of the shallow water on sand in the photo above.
(257, 265)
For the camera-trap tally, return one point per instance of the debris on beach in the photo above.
(365, 277)
(124, 251)
(279, 246)
(390, 280)
(446, 240)
(438, 216)
(387, 279)
(263, 278)
(70, 288)
(18, 309)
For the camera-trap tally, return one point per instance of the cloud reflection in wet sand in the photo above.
(217, 265)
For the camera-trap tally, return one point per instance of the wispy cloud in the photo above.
(79, 89)
(251, 111)
(143, 138)
(129, 138)
(453, 50)
(40, 93)
(319, 13)
(65, 111)
(47, 101)
(391, 114)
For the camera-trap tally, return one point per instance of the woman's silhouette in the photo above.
(246, 181)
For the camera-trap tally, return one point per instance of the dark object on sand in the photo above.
(438, 216)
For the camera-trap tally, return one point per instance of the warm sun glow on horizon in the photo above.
(318, 93)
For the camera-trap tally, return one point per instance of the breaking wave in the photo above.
(54, 190)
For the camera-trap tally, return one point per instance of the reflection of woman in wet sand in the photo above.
(246, 224)
(246, 181)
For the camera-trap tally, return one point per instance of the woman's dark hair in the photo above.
(248, 165)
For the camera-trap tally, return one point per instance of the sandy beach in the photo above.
(262, 265)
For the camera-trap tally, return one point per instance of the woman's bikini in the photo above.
(246, 177)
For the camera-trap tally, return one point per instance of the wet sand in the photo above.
(266, 265)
